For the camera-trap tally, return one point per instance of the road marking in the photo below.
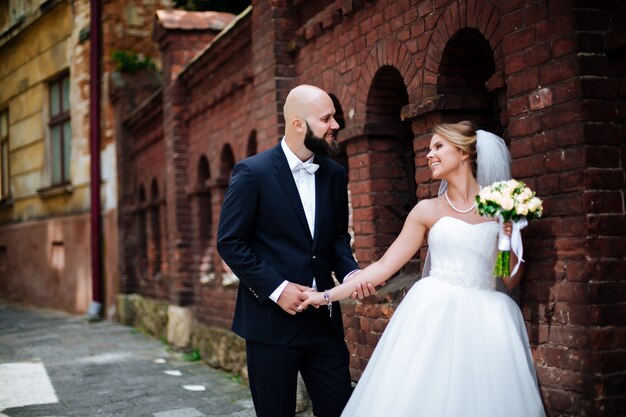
(173, 372)
(181, 412)
(194, 387)
(25, 383)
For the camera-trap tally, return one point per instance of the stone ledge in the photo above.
(220, 348)
(149, 316)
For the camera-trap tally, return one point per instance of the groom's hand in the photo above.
(362, 290)
(292, 296)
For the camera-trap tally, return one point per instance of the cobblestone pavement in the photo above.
(54, 364)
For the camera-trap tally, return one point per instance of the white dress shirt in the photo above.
(305, 183)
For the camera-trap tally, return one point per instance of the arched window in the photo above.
(392, 170)
(155, 229)
(227, 162)
(142, 238)
(251, 149)
(204, 221)
(466, 64)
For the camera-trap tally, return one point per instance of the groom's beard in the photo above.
(318, 145)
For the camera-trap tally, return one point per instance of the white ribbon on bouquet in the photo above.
(514, 242)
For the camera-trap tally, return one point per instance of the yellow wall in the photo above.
(46, 237)
(43, 49)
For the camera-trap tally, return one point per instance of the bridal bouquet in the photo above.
(509, 201)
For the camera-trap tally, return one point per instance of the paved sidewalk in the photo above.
(54, 364)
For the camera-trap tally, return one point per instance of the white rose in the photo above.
(525, 194)
(507, 191)
(506, 203)
(534, 204)
(521, 209)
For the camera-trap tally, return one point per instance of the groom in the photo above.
(284, 229)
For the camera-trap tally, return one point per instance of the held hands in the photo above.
(296, 298)
(315, 299)
(292, 297)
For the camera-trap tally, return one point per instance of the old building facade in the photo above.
(548, 76)
(45, 128)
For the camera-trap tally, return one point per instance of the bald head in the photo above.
(302, 100)
(309, 122)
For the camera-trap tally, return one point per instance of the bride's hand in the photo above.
(315, 299)
(507, 228)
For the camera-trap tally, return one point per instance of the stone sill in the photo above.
(64, 188)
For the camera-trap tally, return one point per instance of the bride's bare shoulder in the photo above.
(426, 211)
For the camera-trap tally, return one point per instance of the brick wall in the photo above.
(548, 77)
(221, 121)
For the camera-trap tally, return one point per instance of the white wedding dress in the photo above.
(455, 347)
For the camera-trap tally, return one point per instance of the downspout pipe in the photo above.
(95, 308)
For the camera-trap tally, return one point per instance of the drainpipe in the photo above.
(95, 309)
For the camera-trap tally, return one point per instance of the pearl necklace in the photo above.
(456, 209)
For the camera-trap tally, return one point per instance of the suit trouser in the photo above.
(318, 353)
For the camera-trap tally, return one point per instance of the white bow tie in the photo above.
(307, 166)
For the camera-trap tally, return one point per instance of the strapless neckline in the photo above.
(462, 221)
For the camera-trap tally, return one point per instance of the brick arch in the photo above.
(141, 194)
(484, 17)
(252, 145)
(333, 83)
(140, 257)
(154, 238)
(154, 189)
(203, 169)
(227, 161)
(386, 52)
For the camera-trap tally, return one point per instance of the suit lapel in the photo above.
(285, 179)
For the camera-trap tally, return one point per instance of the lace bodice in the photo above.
(463, 254)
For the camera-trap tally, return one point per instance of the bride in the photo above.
(455, 347)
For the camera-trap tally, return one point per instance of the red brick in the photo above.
(563, 114)
(522, 147)
(515, 62)
(534, 13)
(525, 125)
(527, 167)
(555, 26)
(564, 46)
(606, 246)
(564, 160)
(558, 70)
(560, 205)
(518, 40)
(523, 82)
(563, 358)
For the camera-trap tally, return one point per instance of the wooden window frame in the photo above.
(58, 120)
(5, 190)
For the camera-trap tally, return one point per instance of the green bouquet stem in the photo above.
(502, 264)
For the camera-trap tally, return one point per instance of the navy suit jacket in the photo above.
(264, 238)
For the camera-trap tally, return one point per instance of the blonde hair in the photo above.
(462, 135)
